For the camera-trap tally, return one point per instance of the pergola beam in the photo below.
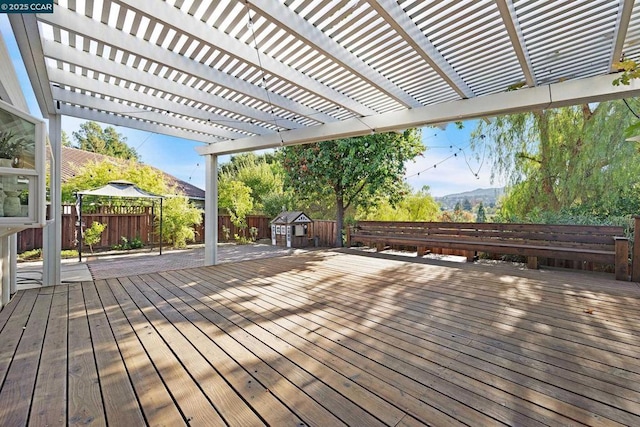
(284, 18)
(26, 32)
(112, 119)
(101, 104)
(509, 17)
(73, 56)
(594, 89)
(76, 23)
(166, 13)
(620, 31)
(402, 24)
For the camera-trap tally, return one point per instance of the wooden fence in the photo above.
(325, 231)
(137, 222)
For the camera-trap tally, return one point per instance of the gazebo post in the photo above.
(153, 220)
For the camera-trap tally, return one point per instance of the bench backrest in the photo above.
(591, 236)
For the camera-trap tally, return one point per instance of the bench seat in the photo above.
(576, 243)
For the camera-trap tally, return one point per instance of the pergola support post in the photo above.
(52, 233)
(211, 210)
(5, 279)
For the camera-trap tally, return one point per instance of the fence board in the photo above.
(325, 231)
(130, 222)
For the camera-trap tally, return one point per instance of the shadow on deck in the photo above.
(325, 338)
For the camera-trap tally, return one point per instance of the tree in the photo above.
(466, 205)
(481, 216)
(562, 158)
(235, 197)
(91, 137)
(66, 142)
(356, 172)
(419, 206)
(178, 219)
(261, 174)
(97, 174)
(93, 234)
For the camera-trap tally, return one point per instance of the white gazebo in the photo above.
(122, 190)
(246, 75)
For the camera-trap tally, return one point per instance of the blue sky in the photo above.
(452, 174)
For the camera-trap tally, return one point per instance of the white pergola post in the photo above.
(13, 263)
(211, 210)
(52, 233)
(5, 271)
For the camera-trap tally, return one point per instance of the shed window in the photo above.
(301, 230)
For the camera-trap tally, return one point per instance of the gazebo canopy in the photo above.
(240, 75)
(116, 189)
(124, 189)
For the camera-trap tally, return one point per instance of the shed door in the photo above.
(273, 234)
(289, 227)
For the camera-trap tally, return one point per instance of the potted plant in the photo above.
(11, 148)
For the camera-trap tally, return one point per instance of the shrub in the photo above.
(93, 234)
(31, 255)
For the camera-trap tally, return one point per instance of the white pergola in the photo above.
(246, 75)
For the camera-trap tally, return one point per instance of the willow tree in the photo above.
(356, 172)
(562, 158)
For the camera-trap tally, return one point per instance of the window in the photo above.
(22, 181)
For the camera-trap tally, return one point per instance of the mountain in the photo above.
(488, 196)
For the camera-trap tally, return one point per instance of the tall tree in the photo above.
(561, 158)
(481, 216)
(354, 171)
(260, 173)
(91, 137)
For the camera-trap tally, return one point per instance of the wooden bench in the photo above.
(590, 243)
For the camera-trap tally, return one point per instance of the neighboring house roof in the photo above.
(291, 217)
(73, 158)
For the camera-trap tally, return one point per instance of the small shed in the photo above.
(291, 229)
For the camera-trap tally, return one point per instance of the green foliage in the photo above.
(466, 205)
(11, 146)
(226, 233)
(262, 174)
(97, 174)
(562, 158)
(253, 232)
(126, 245)
(93, 234)
(36, 254)
(66, 142)
(629, 69)
(481, 216)
(242, 240)
(91, 137)
(31, 255)
(274, 203)
(179, 218)
(418, 206)
(356, 172)
(235, 197)
(69, 253)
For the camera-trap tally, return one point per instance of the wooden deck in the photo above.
(325, 339)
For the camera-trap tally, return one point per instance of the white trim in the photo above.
(312, 36)
(211, 211)
(573, 92)
(52, 233)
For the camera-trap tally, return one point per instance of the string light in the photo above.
(455, 154)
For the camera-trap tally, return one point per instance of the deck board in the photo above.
(48, 408)
(325, 338)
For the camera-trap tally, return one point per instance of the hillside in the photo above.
(488, 196)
